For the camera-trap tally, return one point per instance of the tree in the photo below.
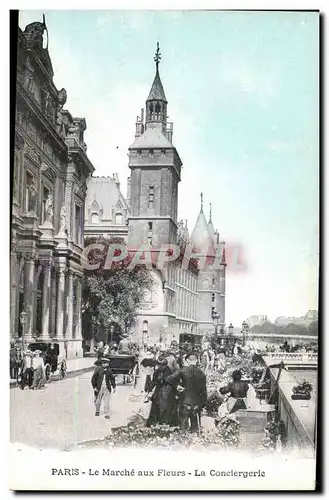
(313, 328)
(113, 294)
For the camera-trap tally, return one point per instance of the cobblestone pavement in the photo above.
(63, 413)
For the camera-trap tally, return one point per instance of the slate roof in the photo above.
(157, 92)
(152, 138)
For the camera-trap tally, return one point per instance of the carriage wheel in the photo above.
(47, 372)
(62, 370)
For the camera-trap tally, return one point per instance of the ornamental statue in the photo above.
(49, 210)
(63, 217)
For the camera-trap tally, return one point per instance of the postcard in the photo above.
(164, 250)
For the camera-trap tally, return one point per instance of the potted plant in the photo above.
(302, 390)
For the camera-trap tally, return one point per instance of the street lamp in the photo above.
(216, 319)
(230, 329)
(245, 330)
(23, 320)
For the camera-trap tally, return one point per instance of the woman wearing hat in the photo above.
(38, 370)
(103, 382)
(164, 408)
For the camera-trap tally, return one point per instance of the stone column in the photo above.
(46, 302)
(60, 303)
(69, 326)
(78, 330)
(29, 273)
(52, 304)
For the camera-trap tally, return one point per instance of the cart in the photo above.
(126, 365)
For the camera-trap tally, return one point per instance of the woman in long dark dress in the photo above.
(164, 407)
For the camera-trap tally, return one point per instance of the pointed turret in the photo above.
(156, 104)
(211, 228)
(201, 238)
(157, 92)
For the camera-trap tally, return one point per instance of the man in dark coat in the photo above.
(103, 381)
(192, 386)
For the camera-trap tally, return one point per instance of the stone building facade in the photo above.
(184, 298)
(50, 169)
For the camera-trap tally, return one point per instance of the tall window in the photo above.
(77, 223)
(94, 218)
(151, 196)
(119, 219)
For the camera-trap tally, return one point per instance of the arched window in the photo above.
(94, 218)
(119, 219)
(157, 108)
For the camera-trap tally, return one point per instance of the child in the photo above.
(103, 381)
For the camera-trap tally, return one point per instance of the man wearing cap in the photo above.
(27, 370)
(103, 382)
(125, 346)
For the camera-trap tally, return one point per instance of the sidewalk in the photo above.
(74, 367)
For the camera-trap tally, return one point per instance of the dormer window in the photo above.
(94, 218)
(151, 152)
(118, 219)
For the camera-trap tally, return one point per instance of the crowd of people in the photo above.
(173, 380)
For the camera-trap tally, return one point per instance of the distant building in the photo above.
(256, 320)
(309, 317)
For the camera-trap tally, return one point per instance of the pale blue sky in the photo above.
(242, 90)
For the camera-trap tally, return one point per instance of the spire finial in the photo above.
(157, 57)
(201, 196)
(209, 212)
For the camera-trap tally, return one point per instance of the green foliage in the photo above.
(290, 329)
(112, 294)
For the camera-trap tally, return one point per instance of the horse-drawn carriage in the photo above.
(126, 365)
(52, 360)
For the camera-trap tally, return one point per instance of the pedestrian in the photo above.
(146, 371)
(12, 360)
(163, 408)
(172, 361)
(103, 382)
(191, 385)
(38, 370)
(27, 370)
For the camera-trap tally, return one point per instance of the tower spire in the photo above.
(209, 212)
(201, 196)
(157, 57)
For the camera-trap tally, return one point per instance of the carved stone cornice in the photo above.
(36, 111)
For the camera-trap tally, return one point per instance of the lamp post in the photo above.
(216, 319)
(23, 319)
(245, 330)
(111, 332)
